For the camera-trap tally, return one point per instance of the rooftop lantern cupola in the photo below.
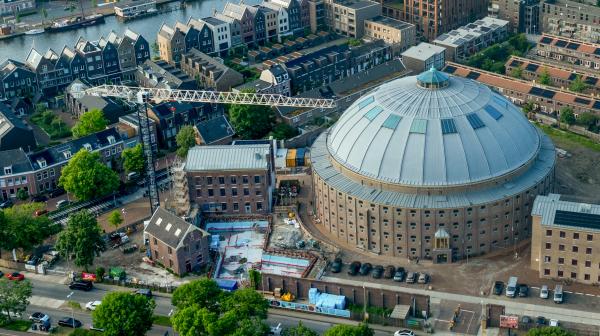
(433, 79)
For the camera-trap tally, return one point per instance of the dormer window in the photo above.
(87, 146)
(67, 154)
(111, 139)
(42, 163)
(8, 170)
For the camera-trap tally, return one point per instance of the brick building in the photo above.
(571, 19)
(565, 239)
(401, 35)
(210, 72)
(347, 17)
(569, 51)
(523, 15)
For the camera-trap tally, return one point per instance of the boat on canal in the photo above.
(76, 22)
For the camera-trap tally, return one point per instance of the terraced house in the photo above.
(205, 36)
(16, 80)
(171, 43)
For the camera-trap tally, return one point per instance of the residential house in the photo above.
(16, 80)
(80, 105)
(423, 56)
(242, 14)
(161, 74)
(235, 29)
(14, 133)
(215, 131)
(523, 16)
(292, 7)
(316, 15)
(209, 72)
(190, 34)
(233, 179)
(129, 129)
(110, 57)
(221, 34)
(274, 80)
(283, 24)
(271, 22)
(16, 172)
(206, 43)
(170, 117)
(171, 43)
(260, 24)
(570, 51)
(175, 243)
(44, 67)
(133, 49)
(93, 58)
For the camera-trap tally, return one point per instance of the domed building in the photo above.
(431, 166)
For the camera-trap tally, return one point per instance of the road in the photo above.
(50, 298)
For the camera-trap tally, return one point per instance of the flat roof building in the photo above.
(347, 17)
(400, 34)
(424, 56)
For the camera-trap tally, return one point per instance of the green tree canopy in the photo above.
(348, 330)
(82, 238)
(89, 122)
(86, 177)
(545, 77)
(14, 298)
(283, 131)
(124, 314)
(194, 321)
(251, 121)
(516, 72)
(549, 331)
(20, 228)
(578, 85)
(589, 120)
(203, 292)
(115, 219)
(134, 160)
(567, 116)
(300, 330)
(22, 194)
(186, 139)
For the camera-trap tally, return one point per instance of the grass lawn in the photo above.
(561, 136)
(17, 325)
(161, 320)
(51, 124)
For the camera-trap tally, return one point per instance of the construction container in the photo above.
(291, 158)
(300, 157)
(307, 158)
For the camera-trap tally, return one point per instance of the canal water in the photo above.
(17, 48)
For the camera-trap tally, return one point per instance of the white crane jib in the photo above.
(137, 94)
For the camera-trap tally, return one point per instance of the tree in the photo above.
(194, 321)
(589, 120)
(528, 107)
(545, 77)
(567, 116)
(14, 297)
(578, 85)
(203, 292)
(134, 160)
(19, 228)
(115, 219)
(81, 238)
(516, 72)
(86, 177)
(549, 331)
(186, 139)
(300, 330)
(89, 122)
(251, 121)
(22, 194)
(124, 314)
(255, 278)
(283, 131)
(348, 330)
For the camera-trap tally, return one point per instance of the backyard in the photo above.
(52, 124)
(494, 57)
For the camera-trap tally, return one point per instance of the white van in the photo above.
(544, 292)
(558, 294)
(511, 287)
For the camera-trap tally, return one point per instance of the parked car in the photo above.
(81, 285)
(62, 203)
(365, 268)
(16, 276)
(399, 274)
(354, 268)
(404, 332)
(69, 322)
(554, 323)
(57, 192)
(558, 294)
(423, 278)
(411, 277)
(6, 204)
(336, 266)
(544, 292)
(523, 290)
(39, 198)
(377, 272)
(389, 272)
(92, 305)
(144, 291)
(498, 287)
(38, 317)
(540, 321)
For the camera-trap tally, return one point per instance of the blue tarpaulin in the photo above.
(228, 285)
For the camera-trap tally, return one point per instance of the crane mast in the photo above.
(142, 96)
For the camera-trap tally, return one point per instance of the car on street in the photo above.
(69, 322)
(144, 292)
(38, 317)
(423, 278)
(389, 272)
(365, 268)
(16, 276)
(554, 323)
(40, 212)
(404, 332)
(498, 287)
(399, 274)
(354, 268)
(377, 272)
(544, 292)
(523, 290)
(540, 321)
(336, 266)
(411, 277)
(6, 204)
(81, 285)
(39, 198)
(92, 305)
(57, 192)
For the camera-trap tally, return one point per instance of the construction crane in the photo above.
(141, 96)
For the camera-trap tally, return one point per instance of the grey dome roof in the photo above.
(459, 133)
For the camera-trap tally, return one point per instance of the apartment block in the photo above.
(424, 56)
(571, 19)
(10, 7)
(401, 35)
(565, 240)
(347, 17)
(163, 75)
(467, 40)
(210, 72)
(523, 15)
(569, 51)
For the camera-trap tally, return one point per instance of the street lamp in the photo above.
(72, 309)
(169, 315)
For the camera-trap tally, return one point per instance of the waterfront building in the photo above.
(133, 50)
(244, 17)
(131, 9)
(171, 43)
(283, 25)
(16, 80)
(205, 36)
(221, 34)
(12, 7)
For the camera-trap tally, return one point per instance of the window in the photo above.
(588, 263)
(198, 192)
(256, 179)
(561, 261)
(234, 192)
(169, 250)
(574, 262)
(236, 207)
(221, 180)
(259, 206)
(575, 249)
(560, 274)
(586, 277)
(575, 235)
(222, 192)
(233, 179)
(547, 258)
(155, 241)
(211, 193)
(208, 180)
(590, 237)
(562, 234)
(258, 192)
(246, 191)
(245, 179)
(573, 275)
(223, 206)
(546, 271)
(588, 250)
(561, 247)
(548, 246)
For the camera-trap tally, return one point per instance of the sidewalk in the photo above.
(4, 332)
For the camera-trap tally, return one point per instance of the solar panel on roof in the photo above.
(578, 219)
(450, 69)
(596, 105)
(536, 91)
(591, 80)
(448, 126)
(572, 76)
(392, 121)
(597, 51)
(485, 29)
(545, 40)
(573, 46)
(532, 67)
(492, 111)
(419, 126)
(560, 43)
(473, 75)
(366, 102)
(582, 101)
(515, 63)
(475, 121)
(548, 94)
(373, 113)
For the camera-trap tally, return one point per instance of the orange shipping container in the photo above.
(290, 160)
